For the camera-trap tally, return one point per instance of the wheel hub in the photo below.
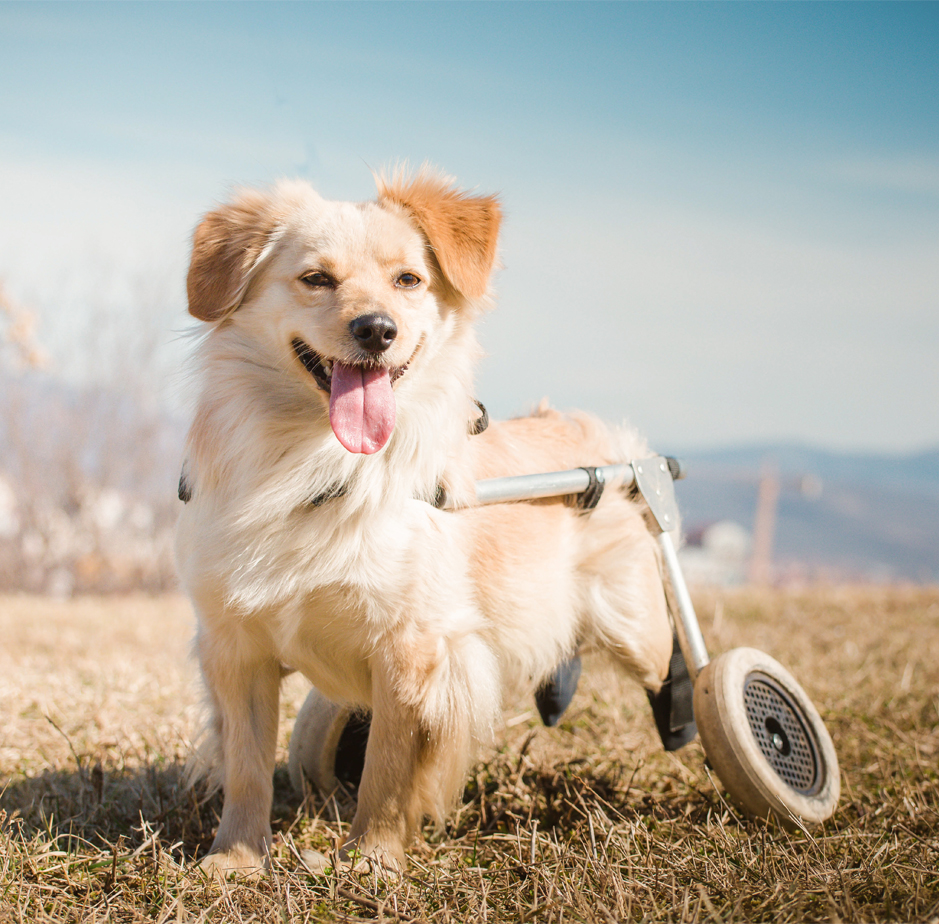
(783, 736)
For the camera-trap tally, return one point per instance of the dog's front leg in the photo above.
(432, 698)
(244, 686)
(388, 809)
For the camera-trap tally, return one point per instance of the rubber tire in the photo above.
(320, 723)
(735, 755)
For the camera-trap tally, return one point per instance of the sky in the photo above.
(722, 219)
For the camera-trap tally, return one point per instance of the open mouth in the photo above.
(361, 397)
(322, 369)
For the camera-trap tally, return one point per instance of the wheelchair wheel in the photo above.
(765, 739)
(327, 746)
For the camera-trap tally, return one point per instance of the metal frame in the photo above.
(653, 479)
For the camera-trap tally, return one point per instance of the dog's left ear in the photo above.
(462, 229)
(228, 248)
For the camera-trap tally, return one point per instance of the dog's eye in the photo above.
(407, 281)
(318, 281)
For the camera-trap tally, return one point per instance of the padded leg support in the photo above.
(672, 705)
(554, 696)
(350, 749)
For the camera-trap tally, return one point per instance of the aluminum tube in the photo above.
(689, 635)
(547, 484)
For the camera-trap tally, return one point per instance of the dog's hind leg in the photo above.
(623, 595)
(243, 681)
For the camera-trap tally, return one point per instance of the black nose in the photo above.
(374, 332)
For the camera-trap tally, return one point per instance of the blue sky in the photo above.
(722, 220)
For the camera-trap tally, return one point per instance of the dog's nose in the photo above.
(374, 332)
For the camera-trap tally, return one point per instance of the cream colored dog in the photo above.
(335, 402)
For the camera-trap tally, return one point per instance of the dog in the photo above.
(335, 406)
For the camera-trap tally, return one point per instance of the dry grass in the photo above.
(588, 822)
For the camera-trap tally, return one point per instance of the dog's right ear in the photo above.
(228, 248)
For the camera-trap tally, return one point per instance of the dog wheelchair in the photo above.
(760, 732)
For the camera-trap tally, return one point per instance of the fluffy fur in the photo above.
(425, 617)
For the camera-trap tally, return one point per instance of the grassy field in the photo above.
(591, 821)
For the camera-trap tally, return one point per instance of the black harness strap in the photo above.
(481, 422)
(327, 495)
(591, 496)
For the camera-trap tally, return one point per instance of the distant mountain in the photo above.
(911, 472)
(876, 516)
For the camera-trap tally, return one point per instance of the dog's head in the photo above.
(344, 295)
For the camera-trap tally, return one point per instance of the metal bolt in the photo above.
(778, 742)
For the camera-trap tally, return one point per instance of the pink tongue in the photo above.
(361, 407)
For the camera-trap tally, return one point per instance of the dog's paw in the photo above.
(316, 863)
(351, 861)
(375, 858)
(239, 862)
